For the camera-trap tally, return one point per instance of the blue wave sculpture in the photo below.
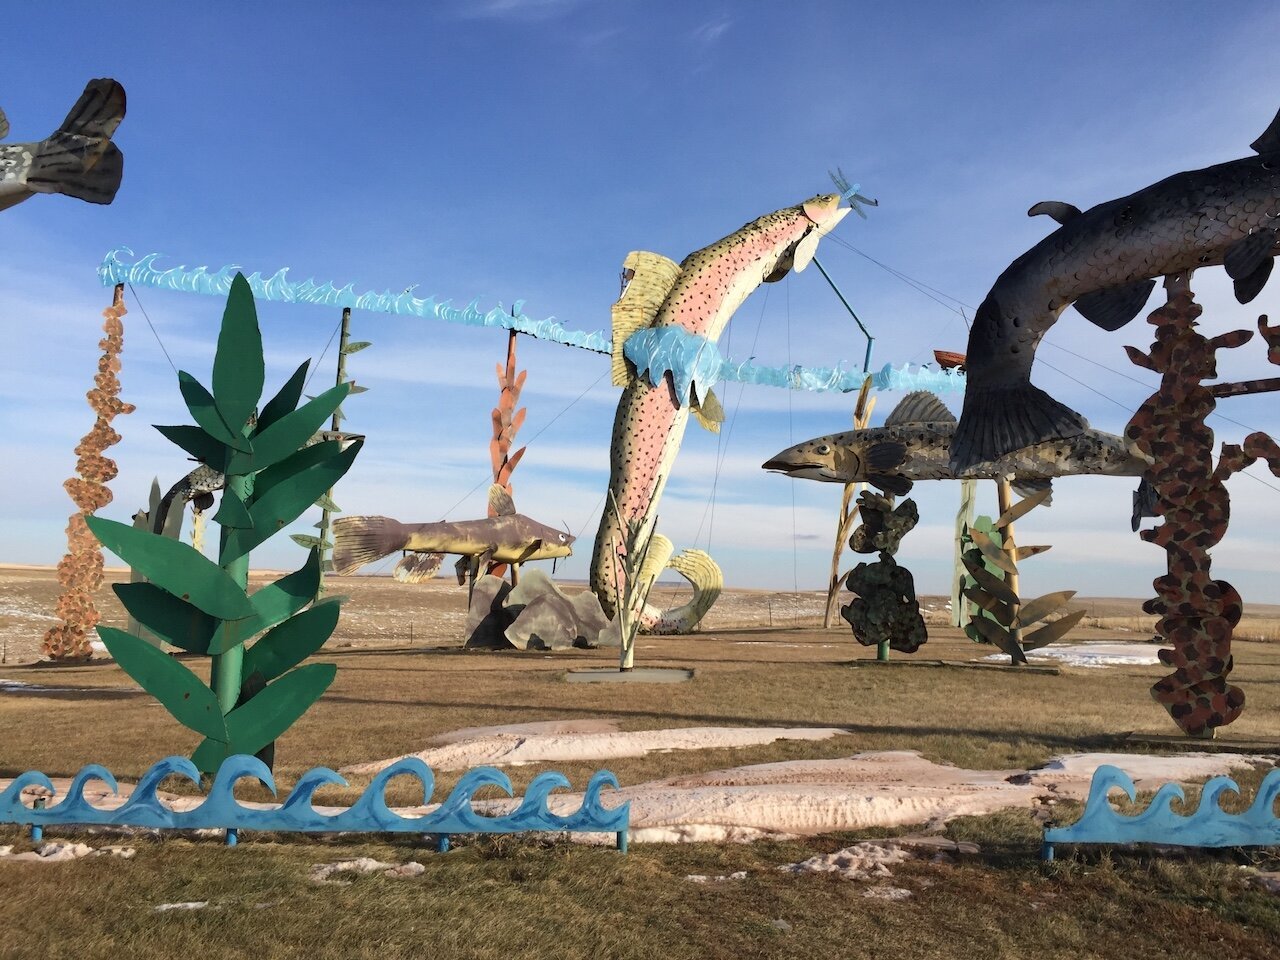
(659, 350)
(370, 813)
(1208, 826)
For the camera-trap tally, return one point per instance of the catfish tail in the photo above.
(79, 159)
(999, 420)
(361, 540)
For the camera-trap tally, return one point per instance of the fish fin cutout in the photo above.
(886, 455)
(98, 111)
(361, 540)
(1111, 309)
(500, 502)
(4, 125)
(1030, 488)
(1270, 139)
(74, 167)
(892, 483)
(652, 277)
(533, 547)
(1249, 287)
(417, 567)
(1145, 501)
(781, 270)
(709, 412)
(461, 569)
(920, 407)
(1062, 212)
(1245, 256)
(998, 421)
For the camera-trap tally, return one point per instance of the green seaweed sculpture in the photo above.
(254, 693)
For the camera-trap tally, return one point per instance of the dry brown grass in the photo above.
(516, 899)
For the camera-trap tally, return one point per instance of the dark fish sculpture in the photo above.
(509, 537)
(915, 444)
(78, 159)
(1104, 261)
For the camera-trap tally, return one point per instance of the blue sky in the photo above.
(518, 149)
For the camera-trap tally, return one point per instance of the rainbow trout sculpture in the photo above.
(678, 312)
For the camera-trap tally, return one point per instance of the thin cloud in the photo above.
(520, 11)
(710, 32)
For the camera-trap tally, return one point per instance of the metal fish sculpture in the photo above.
(915, 444)
(509, 537)
(699, 296)
(1104, 260)
(78, 159)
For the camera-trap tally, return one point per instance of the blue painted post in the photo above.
(37, 831)
(442, 843)
(622, 841)
(233, 836)
(1046, 852)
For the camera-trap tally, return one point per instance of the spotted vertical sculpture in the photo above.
(80, 571)
(1197, 613)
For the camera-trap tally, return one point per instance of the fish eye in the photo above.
(563, 538)
(822, 449)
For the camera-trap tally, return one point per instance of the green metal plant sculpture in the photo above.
(272, 476)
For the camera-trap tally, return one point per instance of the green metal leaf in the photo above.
(326, 503)
(338, 415)
(282, 599)
(264, 718)
(179, 690)
(209, 755)
(237, 365)
(205, 411)
(304, 458)
(286, 401)
(308, 541)
(287, 434)
(175, 566)
(198, 443)
(288, 644)
(1051, 632)
(284, 502)
(173, 620)
(232, 512)
(355, 346)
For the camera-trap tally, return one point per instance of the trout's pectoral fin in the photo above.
(781, 270)
(1111, 309)
(1032, 487)
(886, 455)
(808, 246)
(1062, 212)
(1248, 262)
(706, 407)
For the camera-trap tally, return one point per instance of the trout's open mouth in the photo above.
(802, 470)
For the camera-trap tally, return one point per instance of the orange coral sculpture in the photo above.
(80, 571)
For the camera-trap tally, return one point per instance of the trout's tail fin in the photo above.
(79, 159)
(361, 540)
(997, 421)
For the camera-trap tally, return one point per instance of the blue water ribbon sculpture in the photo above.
(370, 813)
(1208, 826)
(693, 361)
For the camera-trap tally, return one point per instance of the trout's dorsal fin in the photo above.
(500, 502)
(920, 407)
(1270, 139)
(652, 277)
(1062, 212)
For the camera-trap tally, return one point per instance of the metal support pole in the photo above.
(866, 362)
(233, 836)
(335, 424)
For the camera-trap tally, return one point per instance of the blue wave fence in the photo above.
(369, 814)
(1208, 826)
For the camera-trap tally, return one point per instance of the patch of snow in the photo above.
(1091, 655)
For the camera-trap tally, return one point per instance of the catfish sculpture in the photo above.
(78, 159)
(509, 537)
(1105, 261)
(915, 444)
(698, 296)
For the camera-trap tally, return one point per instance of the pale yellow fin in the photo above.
(652, 277)
(709, 412)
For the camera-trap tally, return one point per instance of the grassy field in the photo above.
(510, 898)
